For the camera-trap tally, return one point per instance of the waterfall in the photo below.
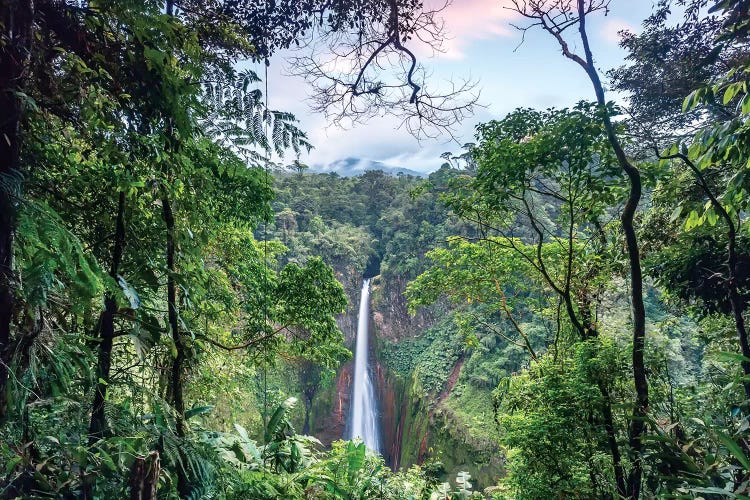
(364, 423)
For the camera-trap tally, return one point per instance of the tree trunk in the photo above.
(738, 307)
(16, 21)
(306, 425)
(614, 449)
(98, 422)
(144, 477)
(177, 400)
(609, 425)
(641, 403)
(178, 403)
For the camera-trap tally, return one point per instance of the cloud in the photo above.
(379, 138)
(611, 28)
(423, 160)
(468, 20)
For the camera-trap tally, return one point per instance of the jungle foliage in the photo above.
(577, 279)
(134, 292)
(621, 232)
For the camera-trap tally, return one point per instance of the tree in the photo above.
(722, 146)
(556, 18)
(552, 402)
(352, 85)
(691, 55)
(543, 191)
(667, 61)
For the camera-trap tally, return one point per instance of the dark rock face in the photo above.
(352, 282)
(393, 405)
(391, 321)
(390, 314)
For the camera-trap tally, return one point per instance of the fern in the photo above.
(238, 119)
(52, 260)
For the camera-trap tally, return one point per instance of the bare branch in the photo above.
(371, 70)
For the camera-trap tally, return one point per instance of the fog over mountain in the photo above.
(349, 167)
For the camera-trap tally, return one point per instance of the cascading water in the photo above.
(364, 422)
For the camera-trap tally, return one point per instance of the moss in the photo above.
(462, 441)
(416, 425)
(427, 359)
(484, 464)
(320, 412)
(472, 407)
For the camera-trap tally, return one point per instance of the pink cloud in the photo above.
(610, 30)
(467, 20)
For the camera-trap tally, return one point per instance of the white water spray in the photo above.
(364, 423)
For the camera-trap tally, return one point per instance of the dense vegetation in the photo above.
(559, 309)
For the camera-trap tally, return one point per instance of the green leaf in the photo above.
(711, 217)
(745, 106)
(12, 464)
(356, 455)
(730, 357)
(734, 449)
(675, 213)
(731, 91)
(242, 432)
(693, 220)
(200, 410)
(713, 490)
(130, 293)
(278, 419)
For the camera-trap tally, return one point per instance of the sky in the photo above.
(482, 46)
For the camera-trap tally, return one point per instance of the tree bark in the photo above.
(17, 20)
(98, 422)
(177, 397)
(641, 404)
(178, 403)
(144, 477)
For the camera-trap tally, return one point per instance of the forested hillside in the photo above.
(558, 309)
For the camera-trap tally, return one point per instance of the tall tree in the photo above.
(543, 193)
(691, 56)
(556, 18)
